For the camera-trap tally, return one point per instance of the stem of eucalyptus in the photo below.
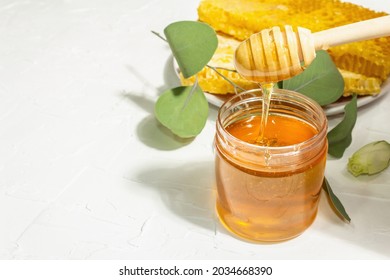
(159, 35)
(191, 93)
(225, 78)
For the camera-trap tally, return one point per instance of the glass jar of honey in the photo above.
(268, 190)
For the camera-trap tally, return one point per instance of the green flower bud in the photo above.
(370, 159)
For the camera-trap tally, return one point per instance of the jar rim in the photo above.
(277, 93)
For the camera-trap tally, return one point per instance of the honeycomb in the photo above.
(369, 60)
(222, 60)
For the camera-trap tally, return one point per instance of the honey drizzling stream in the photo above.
(268, 57)
(267, 92)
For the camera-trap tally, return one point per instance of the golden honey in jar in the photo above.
(268, 189)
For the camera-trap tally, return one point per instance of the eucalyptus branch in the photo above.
(193, 88)
(159, 35)
(227, 69)
(236, 86)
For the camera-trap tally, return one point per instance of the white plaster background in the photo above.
(86, 172)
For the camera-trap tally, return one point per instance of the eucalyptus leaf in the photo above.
(192, 43)
(340, 137)
(183, 110)
(335, 202)
(320, 81)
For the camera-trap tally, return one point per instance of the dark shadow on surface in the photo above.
(143, 102)
(155, 135)
(171, 78)
(186, 190)
(368, 234)
(150, 131)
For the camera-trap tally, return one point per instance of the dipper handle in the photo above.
(276, 54)
(354, 32)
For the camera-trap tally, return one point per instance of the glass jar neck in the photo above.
(284, 158)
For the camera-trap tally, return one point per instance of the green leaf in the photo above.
(370, 159)
(192, 43)
(340, 137)
(336, 203)
(320, 81)
(183, 110)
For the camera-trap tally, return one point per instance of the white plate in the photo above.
(330, 110)
(338, 107)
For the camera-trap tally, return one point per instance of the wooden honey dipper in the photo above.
(273, 54)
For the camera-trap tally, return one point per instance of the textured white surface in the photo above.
(86, 172)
